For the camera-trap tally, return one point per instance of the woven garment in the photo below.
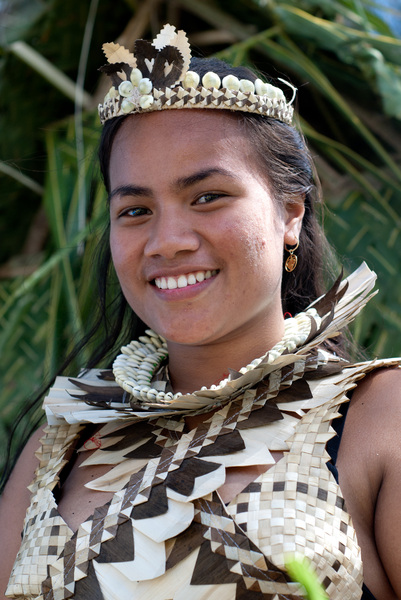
(166, 534)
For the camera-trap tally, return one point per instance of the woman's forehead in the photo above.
(187, 134)
(184, 123)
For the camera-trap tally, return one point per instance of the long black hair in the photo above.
(289, 169)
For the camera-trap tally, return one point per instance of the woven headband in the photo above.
(157, 77)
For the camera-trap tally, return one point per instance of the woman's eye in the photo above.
(207, 198)
(137, 211)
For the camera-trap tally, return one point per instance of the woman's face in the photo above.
(196, 238)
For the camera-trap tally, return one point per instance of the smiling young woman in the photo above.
(188, 198)
(208, 455)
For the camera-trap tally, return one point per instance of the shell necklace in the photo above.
(135, 367)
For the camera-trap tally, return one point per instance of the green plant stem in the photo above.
(21, 178)
(51, 73)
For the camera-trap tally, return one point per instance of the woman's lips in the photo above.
(183, 281)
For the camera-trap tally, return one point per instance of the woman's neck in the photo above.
(192, 367)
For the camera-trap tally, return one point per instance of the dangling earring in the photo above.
(292, 259)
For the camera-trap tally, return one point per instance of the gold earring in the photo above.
(292, 259)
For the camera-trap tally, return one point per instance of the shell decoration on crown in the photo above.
(157, 77)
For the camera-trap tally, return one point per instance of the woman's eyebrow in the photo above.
(181, 183)
(184, 182)
(129, 190)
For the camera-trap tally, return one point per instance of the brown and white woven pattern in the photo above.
(295, 507)
(45, 532)
(212, 98)
(240, 559)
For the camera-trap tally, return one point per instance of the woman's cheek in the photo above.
(249, 244)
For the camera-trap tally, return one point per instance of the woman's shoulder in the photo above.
(373, 423)
(24, 470)
(14, 503)
(376, 401)
(369, 465)
(371, 440)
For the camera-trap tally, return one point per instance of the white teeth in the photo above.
(172, 283)
(182, 281)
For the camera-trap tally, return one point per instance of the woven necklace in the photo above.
(134, 369)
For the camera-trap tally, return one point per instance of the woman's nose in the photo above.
(170, 233)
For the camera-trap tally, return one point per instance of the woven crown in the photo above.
(157, 77)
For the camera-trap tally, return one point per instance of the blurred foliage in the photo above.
(29, 104)
(42, 314)
(301, 570)
(341, 54)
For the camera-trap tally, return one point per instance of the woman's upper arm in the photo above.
(370, 477)
(388, 506)
(13, 505)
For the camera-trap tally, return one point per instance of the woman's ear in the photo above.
(295, 211)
